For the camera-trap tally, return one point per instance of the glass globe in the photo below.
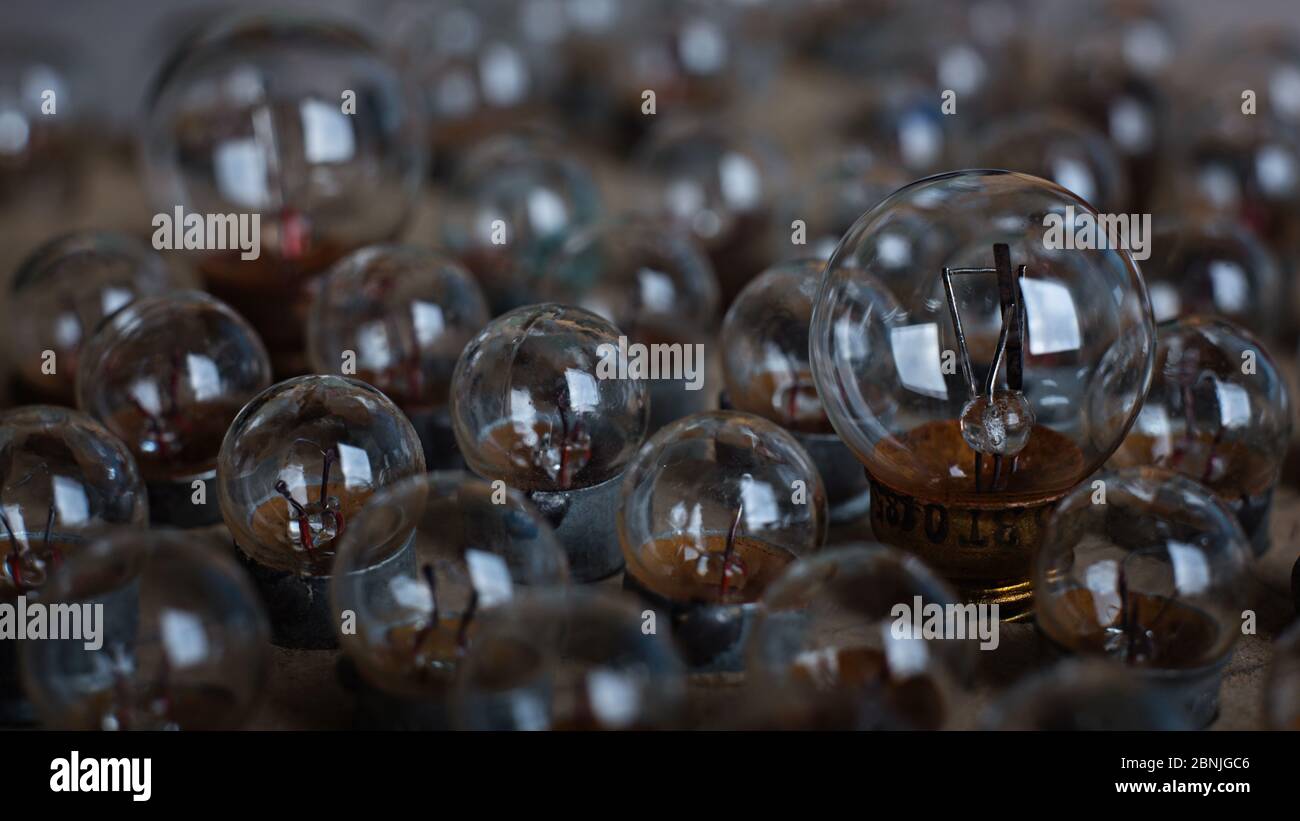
(569, 660)
(63, 477)
(1218, 412)
(1214, 267)
(62, 291)
(976, 403)
(1058, 147)
(509, 208)
(301, 460)
(830, 625)
(421, 566)
(725, 190)
(531, 408)
(1149, 569)
(651, 280)
(1282, 702)
(401, 315)
(184, 639)
(167, 375)
(765, 348)
(716, 506)
(1085, 695)
(903, 121)
(299, 121)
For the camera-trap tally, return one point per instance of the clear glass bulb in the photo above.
(424, 564)
(40, 151)
(1085, 695)
(1155, 578)
(827, 626)
(1215, 267)
(530, 405)
(1282, 701)
(643, 274)
(184, 639)
(716, 506)
(167, 375)
(949, 320)
(254, 116)
(725, 190)
(1218, 412)
(63, 290)
(510, 206)
(63, 477)
(569, 660)
(765, 347)
(1059, 147)
(301, 460)
(904, 123)
(404, 314)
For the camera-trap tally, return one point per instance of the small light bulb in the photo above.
(540, 403)
(1148, 568)
(574, 659)
(298, 463)
(167, 375)
(712, 510)
(419, 570)
(183, 639)
(1217, 412)
(398, 317)
(60, 294)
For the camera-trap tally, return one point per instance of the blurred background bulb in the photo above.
(62, 478)
(828, 625)
(60, 294)
(1058, 147)
(853, 182)
(569, 660)
(421, 568)
(1214, 266)
(1219, 413)
(167, 375)
(398, 316)
(957, 454)
(905, 124)
(253, 116)
(509, 208)
(184, 639)
(40, 119)
(725, 190)
(765, 348)
(1085, 695)
(301, 460)
(1154, 579)
(652, 281)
